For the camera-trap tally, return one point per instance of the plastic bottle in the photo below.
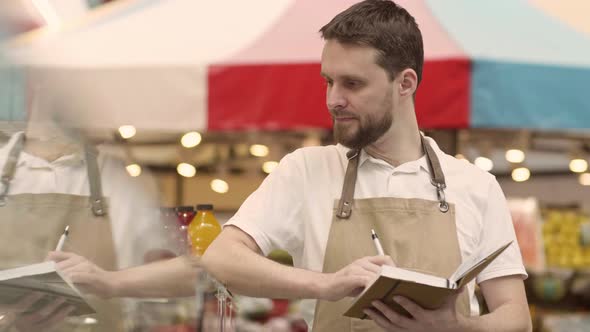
(184, 216)
(203, 229)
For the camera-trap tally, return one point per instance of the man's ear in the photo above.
(408, 82)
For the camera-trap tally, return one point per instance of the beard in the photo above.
(363, 130)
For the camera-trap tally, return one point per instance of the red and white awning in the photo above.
(210, 65)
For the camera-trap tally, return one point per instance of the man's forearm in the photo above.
(507, 318)
(167, 278)
(246, 272)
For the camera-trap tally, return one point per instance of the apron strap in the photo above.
(345, 204)
(437, 176)
(94, 181)
(437, 179)
(9, 168)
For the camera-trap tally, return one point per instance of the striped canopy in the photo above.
(216, 65)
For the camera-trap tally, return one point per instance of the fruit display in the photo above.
(555, 246)
(565, 239)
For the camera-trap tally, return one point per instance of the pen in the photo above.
(377, 243)
(62, 239)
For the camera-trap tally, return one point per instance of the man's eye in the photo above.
(353, 84)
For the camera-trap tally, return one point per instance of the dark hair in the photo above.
(385, 26)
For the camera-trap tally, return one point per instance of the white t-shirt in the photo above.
(133, 208)
(292, 209)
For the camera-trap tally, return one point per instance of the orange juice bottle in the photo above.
(203, 229)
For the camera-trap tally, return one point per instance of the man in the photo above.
(51, 179)
(429, 209)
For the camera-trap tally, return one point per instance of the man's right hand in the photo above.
(86, 275)
(353, 278)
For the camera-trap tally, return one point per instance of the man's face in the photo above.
(359, 93)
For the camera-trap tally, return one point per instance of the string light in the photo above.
(219, 186)
(515, 156)
(127, 131)
(186, 170)
(191, 139)
(521, 174)
(578, 165)
(484, 163)
(259, 150)
(133, 169)
(269, 166)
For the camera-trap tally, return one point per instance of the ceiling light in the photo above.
(219, 186)
(521, 174)
(127, 131)
(515, 156)
(133, 169)
(259, 150)
(484, 163)
(186, 170)
(584, 179)
(269, 166)
(578, 165)
(190, 139)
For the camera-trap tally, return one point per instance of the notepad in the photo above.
(428, 291)
(19, 282)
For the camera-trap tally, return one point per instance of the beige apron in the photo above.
(31, 224)
(418, 234)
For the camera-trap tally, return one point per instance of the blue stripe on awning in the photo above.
(511, 31)
(12, 93)
(512, 95)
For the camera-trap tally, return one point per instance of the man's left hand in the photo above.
(85, 274)
(444, 319)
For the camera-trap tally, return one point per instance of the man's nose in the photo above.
(335, 99)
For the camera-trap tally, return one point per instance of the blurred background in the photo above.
(207, 96)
